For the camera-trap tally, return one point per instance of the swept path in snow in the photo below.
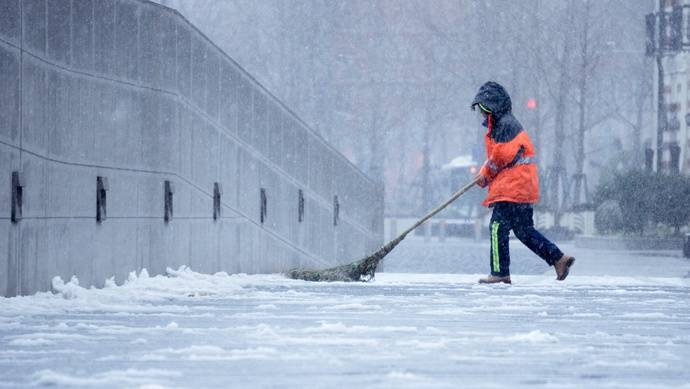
(403, 330)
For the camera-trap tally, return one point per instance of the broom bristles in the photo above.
(362, 270)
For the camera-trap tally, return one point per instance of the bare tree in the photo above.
(389, 80)
(554, 63)
(590, 45)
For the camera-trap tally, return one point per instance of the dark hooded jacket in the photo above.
(505, 126)
(510, 170)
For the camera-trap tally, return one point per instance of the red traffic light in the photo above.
(532, 104)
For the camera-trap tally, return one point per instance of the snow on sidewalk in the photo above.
(187, 329)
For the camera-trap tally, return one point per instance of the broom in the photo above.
(364, 269)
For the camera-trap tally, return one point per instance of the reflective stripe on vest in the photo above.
(492, 166)
(520, 161)
(526, 160)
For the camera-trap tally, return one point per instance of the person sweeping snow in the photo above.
(510, 172)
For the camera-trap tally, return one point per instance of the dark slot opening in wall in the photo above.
(101, 204)
(676, 21)
(217, 192)
(300, 206)
(336, 210)
(650, 44)
(264, 205)
(649, 159)
(168, 191)
(674, 149)
(17, 196)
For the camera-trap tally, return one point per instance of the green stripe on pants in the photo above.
(494, 247)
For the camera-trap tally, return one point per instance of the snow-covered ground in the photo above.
(190, 330)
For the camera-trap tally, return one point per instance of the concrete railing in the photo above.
(122, 111)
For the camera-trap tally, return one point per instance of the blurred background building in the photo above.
(668, 42)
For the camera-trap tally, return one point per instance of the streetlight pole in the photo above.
(661, 113)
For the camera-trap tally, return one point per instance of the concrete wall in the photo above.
(131, 91)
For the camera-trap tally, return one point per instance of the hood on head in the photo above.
(493, 96)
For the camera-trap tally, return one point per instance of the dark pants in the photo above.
(517, 217)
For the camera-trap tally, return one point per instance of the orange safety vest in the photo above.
(511, 169)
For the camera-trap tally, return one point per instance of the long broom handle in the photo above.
(438, 209)
(367, 266)
(369, 263)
